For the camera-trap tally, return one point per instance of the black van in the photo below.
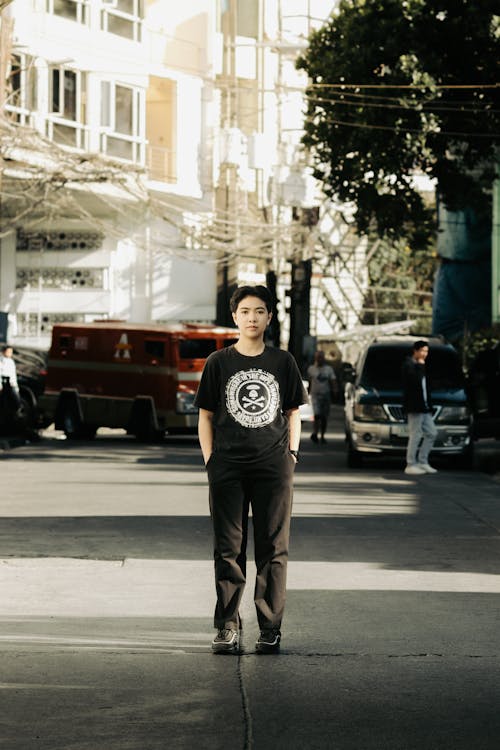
(375, 423)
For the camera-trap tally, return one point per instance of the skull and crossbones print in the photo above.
(252, 397)
(253, 401)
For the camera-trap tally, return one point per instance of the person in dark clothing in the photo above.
(249, 431)
(418, 407)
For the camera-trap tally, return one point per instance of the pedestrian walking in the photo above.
(249, 431)
(322, 389)
(8, 377)
(417, 404)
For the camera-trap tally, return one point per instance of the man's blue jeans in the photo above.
(422, 434)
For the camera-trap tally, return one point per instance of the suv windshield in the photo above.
(382, 368)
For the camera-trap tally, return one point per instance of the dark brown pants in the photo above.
(267, 489)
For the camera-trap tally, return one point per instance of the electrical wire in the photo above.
(410, 107)
(396, 129)
(417, 86)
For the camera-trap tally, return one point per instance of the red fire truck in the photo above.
(142, 378)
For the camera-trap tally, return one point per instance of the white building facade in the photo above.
(197, 110)
(108, 79)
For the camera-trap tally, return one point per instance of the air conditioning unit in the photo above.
(35, 242)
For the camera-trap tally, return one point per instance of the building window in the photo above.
(122, 129)
(247, 17)
(123, 17)
(21, 89)
(73, 10)
(67, 100)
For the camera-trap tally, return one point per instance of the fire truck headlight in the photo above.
(185, 403)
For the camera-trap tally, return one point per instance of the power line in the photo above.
(418, 86)
(409, 109)
(395, 129)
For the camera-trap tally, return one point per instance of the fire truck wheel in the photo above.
(143, 423)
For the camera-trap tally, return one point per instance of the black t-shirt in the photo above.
(248, 396)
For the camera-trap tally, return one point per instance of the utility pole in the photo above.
(495, 251)
(228, 171)
(274, 331)
(300, 308)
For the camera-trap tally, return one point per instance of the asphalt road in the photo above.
(391, 635)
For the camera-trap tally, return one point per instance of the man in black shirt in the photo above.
(418, 407)
(249, 430)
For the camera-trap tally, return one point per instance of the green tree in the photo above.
(400, 87)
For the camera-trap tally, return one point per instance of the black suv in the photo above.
(375, 422)
(31, 367)
(484, 392)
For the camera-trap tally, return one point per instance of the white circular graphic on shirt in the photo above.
(252, 398)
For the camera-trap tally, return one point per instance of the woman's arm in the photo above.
(294, 428)
(206, 433)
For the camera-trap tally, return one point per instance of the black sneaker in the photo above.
(226, 641)
(269, 641)
(314, 438)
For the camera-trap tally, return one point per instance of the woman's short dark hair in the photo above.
(262, 292)
(419, 345)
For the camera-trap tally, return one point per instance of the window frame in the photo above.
(108, 121)
(110, 10)
(82, 14)
(19, 100)
(57, 117)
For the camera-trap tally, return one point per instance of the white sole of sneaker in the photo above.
(225, 648)
(267, 648)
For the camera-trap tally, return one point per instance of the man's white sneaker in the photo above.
(428, 468)
(414, 469)
(226, 641)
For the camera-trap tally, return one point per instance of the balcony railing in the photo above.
(21, 115)
(161, 164)
(124, 147)
(67, 132)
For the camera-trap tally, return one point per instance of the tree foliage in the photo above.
(400, 87)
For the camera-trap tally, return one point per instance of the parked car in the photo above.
(375, 423)
(31, 368)
(484, 392)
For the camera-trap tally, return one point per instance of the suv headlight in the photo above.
(370, 413)
(184, 403)
(454, 415)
